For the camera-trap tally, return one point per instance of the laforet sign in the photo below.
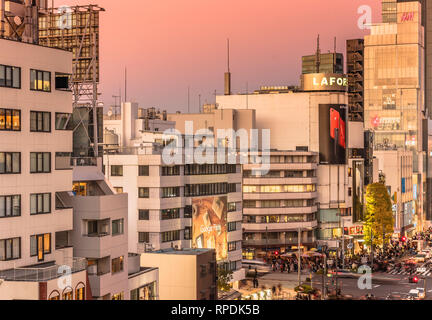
(324, 82)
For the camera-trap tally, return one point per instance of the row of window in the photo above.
(295, 203)
(193, 190)
(190, 169)
(279, 174)
(40, 121)
(10, 162)
(279, 218)
(280, 189)
(40, 245)
(169, 214)
(10, 77)
(10, 205)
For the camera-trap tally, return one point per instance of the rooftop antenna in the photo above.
(318, 56)
(199, 103)
(228, 73)
(247, 95)
(334, 56)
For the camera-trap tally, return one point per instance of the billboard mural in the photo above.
(209, 225)
(332, 133)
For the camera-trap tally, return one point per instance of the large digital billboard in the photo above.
(332, 133)
(209, 225)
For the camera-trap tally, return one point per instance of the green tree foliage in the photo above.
(379, 220)
(224, 279)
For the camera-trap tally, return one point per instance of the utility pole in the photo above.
(343, 244)
(299, 256)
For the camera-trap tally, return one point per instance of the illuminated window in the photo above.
(40, 80)
(10, 120)
(118, 190)
(68, 294)
(119, 296)
(80, 292)
(80, 189)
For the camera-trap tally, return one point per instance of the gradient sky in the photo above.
(168, 45)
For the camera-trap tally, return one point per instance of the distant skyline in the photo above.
(170, 45)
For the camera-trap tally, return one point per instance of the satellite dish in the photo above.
(17, 20)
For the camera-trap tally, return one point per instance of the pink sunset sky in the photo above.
(170, 45)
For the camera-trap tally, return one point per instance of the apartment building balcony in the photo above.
(279, 211)
(44, 272)
(99, 207)
(281, 195)
(235, 235)
(279, 227)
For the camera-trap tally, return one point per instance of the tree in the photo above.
(224, 279)
(379, 220)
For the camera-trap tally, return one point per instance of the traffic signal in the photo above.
(276, 253)
(415, 279)
(403, 239)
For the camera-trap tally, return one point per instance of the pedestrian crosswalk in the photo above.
(405, 272)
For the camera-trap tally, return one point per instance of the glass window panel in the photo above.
(16, 120)
(16, 77)
(8, 249)
(16, 206)
(39, 162)
(2, 119)
(46, 162)
(2, 250)
(33, 204)
(33, 80)
(8, 163)
(16, 248)
(2, 76)
(47, 81)
(2, 207)
(16, 162)
(2, 162)
(8, 77)
(47, 243)
(47, 203)
(8, 206)
(46, 121)
(33, 246)
(39, 203)
(8, 113)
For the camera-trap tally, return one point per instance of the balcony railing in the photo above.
(39, 274)
(84, 162)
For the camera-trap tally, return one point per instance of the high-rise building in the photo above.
(35, 228)
(395, 92)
